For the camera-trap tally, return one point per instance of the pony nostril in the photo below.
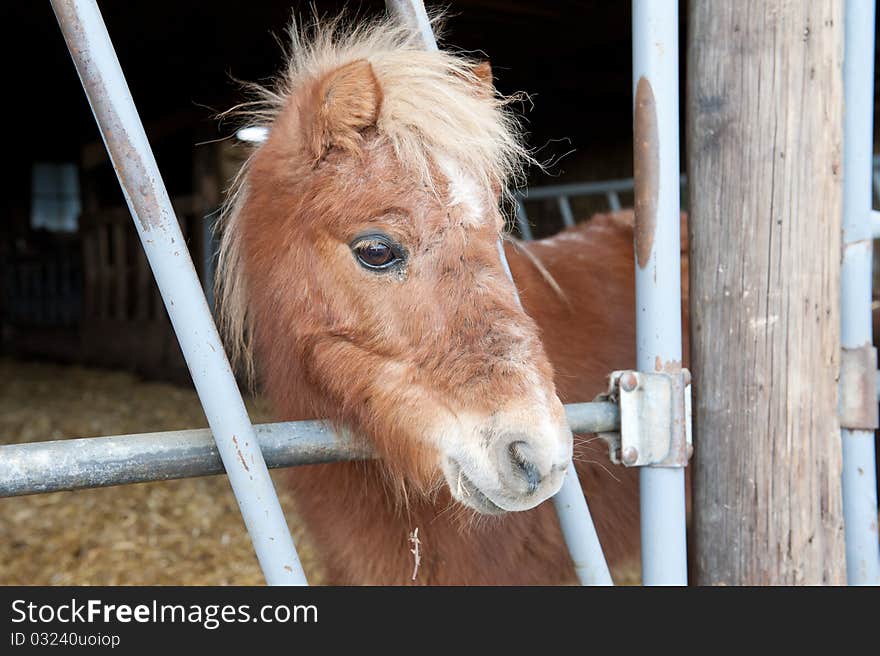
(522, 463)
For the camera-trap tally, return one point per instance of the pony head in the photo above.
(361, 270)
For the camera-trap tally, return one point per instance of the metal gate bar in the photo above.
(658, 266)
(108, 94)
(571, 506)
(859, 473)
(563, 193)
(52, 466)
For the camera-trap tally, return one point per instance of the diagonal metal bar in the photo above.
(413, 13)
(571, 506)
(108, 94)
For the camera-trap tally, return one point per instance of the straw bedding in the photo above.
(186, 532)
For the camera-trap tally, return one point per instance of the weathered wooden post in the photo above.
(764, 140)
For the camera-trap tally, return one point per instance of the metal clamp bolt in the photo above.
(630, 456)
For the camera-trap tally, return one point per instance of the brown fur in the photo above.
(363, 538)
(345, 102)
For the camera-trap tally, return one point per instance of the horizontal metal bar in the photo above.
(90, 462)
(596, 417)
(580, 188)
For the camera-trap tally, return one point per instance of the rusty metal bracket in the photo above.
(858, 388)
(655, 418)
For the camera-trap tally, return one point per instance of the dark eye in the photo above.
(377, 252)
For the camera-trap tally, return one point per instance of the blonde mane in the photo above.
(434, 107)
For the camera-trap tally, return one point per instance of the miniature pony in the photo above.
(361, 280)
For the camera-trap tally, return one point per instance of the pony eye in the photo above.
(376, 252)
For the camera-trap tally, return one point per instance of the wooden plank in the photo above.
(765, 117)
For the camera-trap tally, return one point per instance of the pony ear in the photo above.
(344, 103)
(483, 72)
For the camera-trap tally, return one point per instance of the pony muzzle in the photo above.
(511, 471)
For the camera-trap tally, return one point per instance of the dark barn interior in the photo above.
(76, 294)
(80, 291)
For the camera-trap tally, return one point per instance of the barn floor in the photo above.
(186, 532)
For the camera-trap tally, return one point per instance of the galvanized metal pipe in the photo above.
(658, 266)
(859, 473)
(613, 201)
(582, 188)
(89, 462)
(571, 506)
(565, 211)
(576, 189)
(574, 517)
(412, 12)
(580, 532)
(147, 199)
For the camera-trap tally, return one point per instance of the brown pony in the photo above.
(360, 277)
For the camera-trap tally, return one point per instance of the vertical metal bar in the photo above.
(613, 201)
(565, 210)
(123, 134)
(859, 473)
(522, 221)
(658, 266)
(571, 506)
